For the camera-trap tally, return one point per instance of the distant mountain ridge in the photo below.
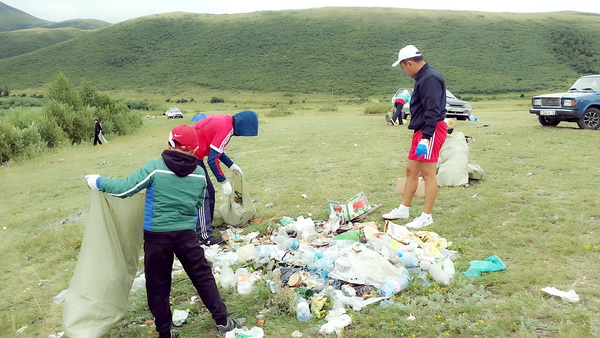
(325, 50)
(14, 19)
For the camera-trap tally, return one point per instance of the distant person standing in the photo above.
(427, 111)
(97, 132)
(214, 133)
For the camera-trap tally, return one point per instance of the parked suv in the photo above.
(459, 109)
(579, 104)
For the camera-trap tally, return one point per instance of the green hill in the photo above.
(14, 19)
(339, 50)
(84, 24)
(27, 40)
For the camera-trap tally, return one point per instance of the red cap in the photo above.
(186, 137)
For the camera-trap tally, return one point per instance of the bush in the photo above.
(329, 108)
(139, 104)
(377, 109)
(19, 143)
(280, 112)
(20, 102)
(215, 99)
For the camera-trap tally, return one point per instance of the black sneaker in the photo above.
(174, 333)
(212, 240)
(231, 324)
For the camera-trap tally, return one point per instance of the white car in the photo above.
(174, 113)
(456, 108)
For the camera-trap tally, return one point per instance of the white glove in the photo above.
(227, 189)
(91, 181)
(236, 167)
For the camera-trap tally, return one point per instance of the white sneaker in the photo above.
(396, 213)
(419, 222)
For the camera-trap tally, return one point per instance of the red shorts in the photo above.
(435, 144)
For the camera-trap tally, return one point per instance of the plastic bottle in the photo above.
(436, 272)
(227, 278)
(448, 267)
(263, 251)
(408, 259)
(393, 286)
(422, 278)
(302, 310)
(323, 265)
(244, 285)
(287, 243)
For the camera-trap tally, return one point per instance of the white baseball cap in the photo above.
(407, 52)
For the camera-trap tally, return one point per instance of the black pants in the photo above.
(97, 138)
(398, 114)
(204, 227)
(159, 248)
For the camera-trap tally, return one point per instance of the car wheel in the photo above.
(547, 121)
(590, 119)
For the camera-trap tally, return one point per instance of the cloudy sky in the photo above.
(114, 11)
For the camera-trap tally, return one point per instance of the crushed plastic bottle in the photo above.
(393, 286)
(302, 310)
(323, 265)
(227, 277)
(408, 259)
(287, 243)
(244, 285)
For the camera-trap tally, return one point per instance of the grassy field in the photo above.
(536, 209)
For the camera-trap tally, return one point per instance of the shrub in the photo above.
(20, 102)
(280, 112)
(51, 133)
(18, 143)
(215, 99)
(139, 104)
(77, 124)
(377, 109)
(329, 108)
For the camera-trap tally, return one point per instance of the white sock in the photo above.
(426, 216)
(403, 207)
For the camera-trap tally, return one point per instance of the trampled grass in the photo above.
(536, 209)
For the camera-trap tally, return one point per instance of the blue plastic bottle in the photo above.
(394, 286)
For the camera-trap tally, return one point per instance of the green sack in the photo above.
(238, 209)
(106, 266)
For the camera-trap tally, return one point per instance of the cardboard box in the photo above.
(420, 188)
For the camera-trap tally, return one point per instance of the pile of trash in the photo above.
(332, 265)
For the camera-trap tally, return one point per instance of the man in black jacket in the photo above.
(427, 113)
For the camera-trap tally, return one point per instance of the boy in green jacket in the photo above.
(175, 187)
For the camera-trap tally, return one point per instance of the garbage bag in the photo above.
(453, 161)
(106, 266)
(238, 209)
(490, 264)
(475, 171)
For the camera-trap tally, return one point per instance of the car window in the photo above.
(450, 95)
